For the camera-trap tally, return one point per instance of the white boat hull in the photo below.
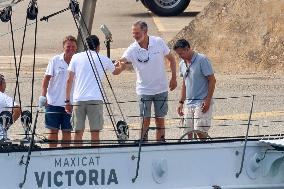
(174, 166)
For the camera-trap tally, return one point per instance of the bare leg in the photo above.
(78, 137)
(146, 125)
(160, 133)
(190, 136)
(53, 136)
(95, 136)
(202, 136)
(66, 138)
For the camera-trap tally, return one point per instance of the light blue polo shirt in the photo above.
(195, 78)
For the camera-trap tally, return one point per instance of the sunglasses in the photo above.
(187, 71)
(143, 56)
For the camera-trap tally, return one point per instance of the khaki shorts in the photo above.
(93, 109)
(195, 119)
(160, 105)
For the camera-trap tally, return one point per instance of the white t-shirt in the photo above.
(56, 91)
(6, 102)
(85, 84)
(149, 66)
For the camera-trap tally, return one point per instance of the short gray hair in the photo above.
(143, 25)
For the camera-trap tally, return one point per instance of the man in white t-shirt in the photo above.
(53, 94)
(147, 55)
(7, 103)
(87, 97)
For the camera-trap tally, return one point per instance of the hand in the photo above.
(180, 110)
(205, 105)
(173, 83)
(41, 101)
(122, 65)
(68, 108)
(116, 63)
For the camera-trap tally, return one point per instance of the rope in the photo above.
(246, 139)
(17, 87)
(32, 13)
(34, 62)
(14, 52)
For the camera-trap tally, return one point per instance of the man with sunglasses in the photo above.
(147, 55)
(7, 103)
(197, 88)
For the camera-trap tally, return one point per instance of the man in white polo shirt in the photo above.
(53, 94)
(87, 97)
(147, 55)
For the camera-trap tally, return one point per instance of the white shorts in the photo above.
(195, 119)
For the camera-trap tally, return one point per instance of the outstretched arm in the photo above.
(119, 67)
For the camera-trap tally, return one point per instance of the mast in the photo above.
(88, 12)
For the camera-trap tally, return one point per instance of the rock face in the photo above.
(240, 35)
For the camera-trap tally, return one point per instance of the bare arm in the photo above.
(69, 84)
(211, 86)
(182, 99)
(173, 81)
(45, 83)
(68, 106)
(16, 113)
(119, 67)
(211, 89)
(183, 93)
(172, 62)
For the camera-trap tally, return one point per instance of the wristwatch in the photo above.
(67, 101)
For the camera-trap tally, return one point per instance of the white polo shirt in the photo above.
(85, 84)
(149, 66)
(6, 102)
(56, 91)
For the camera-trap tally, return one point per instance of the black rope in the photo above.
(169, 100)
(14, 53)
(32, 13)
(104, 70)
(96, 77)
(34, 63)
(32, 142)
(140, 143)
(17, 87)
(246, 139)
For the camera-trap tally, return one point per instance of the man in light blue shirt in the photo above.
(197, 88)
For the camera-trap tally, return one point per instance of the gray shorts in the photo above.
(93, 109)
(160, 105)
